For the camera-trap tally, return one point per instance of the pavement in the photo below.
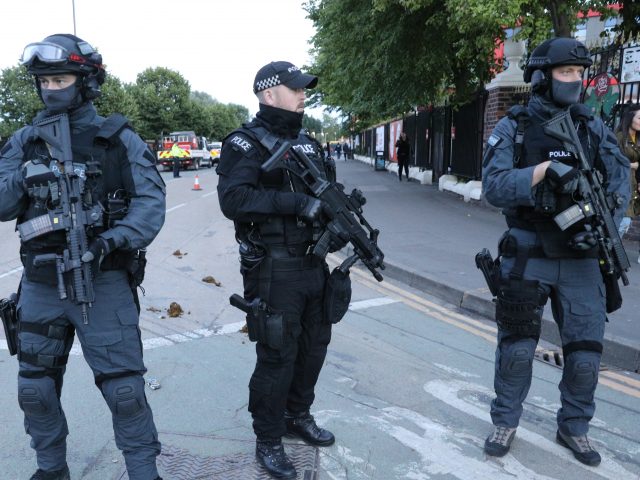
(430, 239)
(406, 384)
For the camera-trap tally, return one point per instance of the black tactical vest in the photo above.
(285, 230)
(537, 147)
(99, 153)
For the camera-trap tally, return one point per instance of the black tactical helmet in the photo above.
(555, 52)
(65, 53)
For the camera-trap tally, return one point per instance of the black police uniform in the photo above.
(276, 266)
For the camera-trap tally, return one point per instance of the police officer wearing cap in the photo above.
(121, 177)
(276, 224)
(532, 177)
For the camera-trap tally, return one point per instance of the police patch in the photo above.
(494, 141)
(238, 141)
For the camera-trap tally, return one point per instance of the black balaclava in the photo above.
(282, 122)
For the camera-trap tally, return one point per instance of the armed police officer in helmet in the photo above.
(277, 222)
(529, 172)
(81, 270)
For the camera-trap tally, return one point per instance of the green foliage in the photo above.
(312, 125)
(19, 101)
(117, 98)
(220, 119)
(381, 58)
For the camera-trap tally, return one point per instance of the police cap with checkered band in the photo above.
(282, 73)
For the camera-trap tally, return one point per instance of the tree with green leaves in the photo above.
(162, 96)
(19, 100)
(117, 98)
(380, 58)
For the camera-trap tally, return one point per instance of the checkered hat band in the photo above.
(267, 83)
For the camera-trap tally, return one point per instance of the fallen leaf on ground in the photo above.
(175, 310)
(210, 279)
(153, 309)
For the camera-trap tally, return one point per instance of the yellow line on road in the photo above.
(613, 380)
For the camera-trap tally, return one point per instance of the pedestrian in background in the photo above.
(403, 151)
(629, 141)
(538, 260)
(338, 149)
(114, 163)
(176, 153)
(346, 150)
(328, 148)
(276, 219)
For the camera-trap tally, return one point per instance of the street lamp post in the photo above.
(73, 6)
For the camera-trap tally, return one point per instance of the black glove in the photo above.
(96, 252)
(36, 174)
(309, 208)
(562, 177)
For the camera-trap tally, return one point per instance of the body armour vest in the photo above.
(538, 147)
(98, 157)
(285, 230)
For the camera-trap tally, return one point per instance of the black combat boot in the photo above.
(62, 474)
(271, 455)
(581, 448)
(304, 426)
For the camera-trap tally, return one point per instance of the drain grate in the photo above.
(555, 358)
(178, 464)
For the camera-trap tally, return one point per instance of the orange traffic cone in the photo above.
(196, 185)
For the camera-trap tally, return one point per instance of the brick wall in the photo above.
(500, 100)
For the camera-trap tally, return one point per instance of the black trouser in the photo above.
(176, 167)
(403, 162)
(286, 378)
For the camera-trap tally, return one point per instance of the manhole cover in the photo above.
(179, 464)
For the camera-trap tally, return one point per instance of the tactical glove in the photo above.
(36, 174)
(309, 208)
(96, 252)
(562, 177)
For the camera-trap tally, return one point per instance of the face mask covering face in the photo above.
(61, 100)
(566, 93)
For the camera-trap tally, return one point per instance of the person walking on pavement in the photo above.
(346, 151)
(276, 220)
(538, 260)
(402, 153)
(627, 135)
(176, 153)
(338, 151)
(116, 165)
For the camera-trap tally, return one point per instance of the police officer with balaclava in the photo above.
(532, 177)
(276, 223)
(121, 180)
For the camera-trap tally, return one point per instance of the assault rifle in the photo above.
(595, 206)
(344, 211)
(72, 212)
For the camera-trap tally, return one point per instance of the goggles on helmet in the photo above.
(46, 53)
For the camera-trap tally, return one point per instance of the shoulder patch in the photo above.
(240, 142)
(494, 141)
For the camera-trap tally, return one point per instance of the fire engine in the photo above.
(191, 150)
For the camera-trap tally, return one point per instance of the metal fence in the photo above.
(447, 140)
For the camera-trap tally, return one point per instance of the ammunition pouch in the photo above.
(519, 307)
(266, 326)
(9, 317)
(337, 296)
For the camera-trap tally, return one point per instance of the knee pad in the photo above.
(580, 373)
(516, 357)
(37, 396)
(125, 395)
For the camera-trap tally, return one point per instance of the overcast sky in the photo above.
(217, 45)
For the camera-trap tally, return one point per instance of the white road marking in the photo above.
(447, 391)
(167, 340)
(11, 272)
(372, 302)
(209, 194)
(175, 208)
